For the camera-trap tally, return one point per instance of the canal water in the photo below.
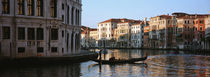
(159, 64)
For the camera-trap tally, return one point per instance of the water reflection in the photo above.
(179, 65)
(159, 64)
(72, 70)
(123, 54)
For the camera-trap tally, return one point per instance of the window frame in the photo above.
(5, 5)
(39, 7)
(54, 49)
(6, 32)
(53, 8)
(21, 7)
(30, 7)
(31, 34)
(40, 51)
(39, 34)
(21, 33)
(54, 34)
(21, 49)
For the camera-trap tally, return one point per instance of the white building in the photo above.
(106, 31)
(137, 33)
(39, 27)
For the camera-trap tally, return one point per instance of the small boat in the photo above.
(120, 61)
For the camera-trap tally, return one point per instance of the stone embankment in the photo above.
(71, 58)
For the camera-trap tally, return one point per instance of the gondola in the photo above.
(120, 61)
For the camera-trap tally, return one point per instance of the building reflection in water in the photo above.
(181, 66)
(72, 70)
(123, 54)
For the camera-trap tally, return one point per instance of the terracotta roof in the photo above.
(111, 20)
(192, 16)
(93, 29)
(123, 20)
(83, 32)
(165, 16)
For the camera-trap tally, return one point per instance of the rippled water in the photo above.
(158, 64)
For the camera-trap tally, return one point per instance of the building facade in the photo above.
(117, 33)
(207, 33)
(146, 43)
(162, 31)
(84, 41)
(93, 38)
(137, 32)
(179, 30)
(39, 27)
(190, 31)
(123, 34)
(106, 32)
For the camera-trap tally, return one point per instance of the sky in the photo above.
(95, 11)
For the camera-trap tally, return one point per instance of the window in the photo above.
(21, 8)
(21, 49)
(40, 34)
(201, 21)
(54, 49)
(6, 32)
(5, 6)
(30, 7)
(77, 17)
(53, 8)
(62, 18)
(168, 21)
(68, 14)
(62, 50)
(40, 49)
(21, 33)
(54, 34)
(62, 6)
(39, 8)
(72, 15)
(201, 28)
(62, 33)
(31, 34)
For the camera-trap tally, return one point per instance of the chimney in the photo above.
(145, 20)
(196, 15)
